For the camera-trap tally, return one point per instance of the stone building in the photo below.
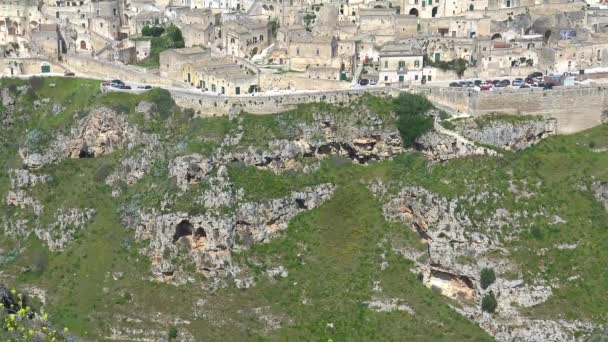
(221, 75)
(400, 65)
(173, 60)
(309, 50)
(245, 37)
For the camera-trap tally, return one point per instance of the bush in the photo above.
(172, 333)
(412, 119)
(154, 31)
(489, 303)
(36, 83)
(163, 101)
(487, 278)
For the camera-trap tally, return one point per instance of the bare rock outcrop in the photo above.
(442, 147)
(512, 134)
(458, 247)
(207, 240)
(600, 191)
(68, 222)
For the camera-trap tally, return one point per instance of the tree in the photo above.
(412, 119)
(487, 278)
(154, 31)
(489, 303)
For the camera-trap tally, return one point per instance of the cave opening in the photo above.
(184, 228)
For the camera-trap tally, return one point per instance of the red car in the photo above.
(485, 88)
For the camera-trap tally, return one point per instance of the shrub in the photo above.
(172, 333)
(489, 303)
(36, 83)
(536, 233)
(412, 119)
(487, 278)
(163, 100)
(154, 31)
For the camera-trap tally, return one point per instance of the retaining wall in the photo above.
(208, 105)
(576, 108)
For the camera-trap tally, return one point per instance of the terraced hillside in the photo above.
(126, 218)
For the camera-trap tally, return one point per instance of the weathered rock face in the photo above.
(516, 135)
(442, 147)
(190, 169)
(207, 240)
(458, 248)
(600, 191)
(101, 132)
(68, 222)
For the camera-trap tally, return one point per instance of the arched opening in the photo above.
(261, 37)
(232, 40)
(184, 228)
(254, 51)
(200, 233)
(414, 12)
(530, 46)
(83, 45)
(496, 36)
(471, 7)
(547, 36)
(434, 12)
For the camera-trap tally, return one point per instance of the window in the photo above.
(237, 91)
(386, 64)
(317, 52)
(401, 78)
(416, 63)
(429, 78)
(386, 78)
(261, 37)
(401, 64)
(297, 51)
(416, 77)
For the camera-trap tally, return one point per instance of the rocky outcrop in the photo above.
(259, 222)
(439, 146)
(68, 222)
(600, 191)
(511, 134)
(458, 247)
(207, 240)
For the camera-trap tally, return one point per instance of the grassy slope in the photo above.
(332, 252)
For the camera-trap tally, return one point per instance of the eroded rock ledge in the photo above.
(207, 240)
(457, 249)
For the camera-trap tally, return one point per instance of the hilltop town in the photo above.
(238, 48)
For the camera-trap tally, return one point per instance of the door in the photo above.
(237, 91)
(45, 68)
(437, 56)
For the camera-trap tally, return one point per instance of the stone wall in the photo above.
(209, 105)
(575, 108)
(298, 81)
(109, 70)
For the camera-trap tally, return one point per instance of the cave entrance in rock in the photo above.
(200, 233)
(184, 228)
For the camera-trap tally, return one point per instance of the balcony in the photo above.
(401, 70)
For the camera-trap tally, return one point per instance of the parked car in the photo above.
(373, 82)
(124, 87)
(145, 87)
(69, 74)
(506, 81)
(117, 82)
(537, 74)
(518, 82)
(496, 83)
(455, 85)
(470, 84)
(485, 88)
(363, 82)
(477, 83)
